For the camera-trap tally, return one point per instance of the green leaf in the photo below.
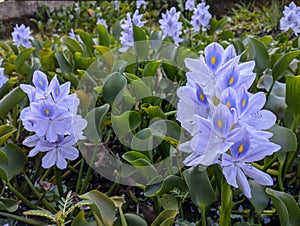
(104, 208)
(156, 39)
(284, 137)
(107, 56)
(165, 186)
(88, 41)
(131, 219)
(16, 160)
(286, 206)
(40, 213)
(63, 62)
(141, 45)
(9, 101)
(21, 58)
(126, 122)
(165, 218)
(133, 156)
(259, 53)
(140, 89)
(7, 86)
(168, 202)
(80, 220)
(5, 133)
(281, 65)
(83, 63)
(293, 93)
(95, 119)
(259, 199)
(72, 44)
(104, 38)
(4, 46)
(48, 61)
(114, 87)
(201, 191)
(8, 204)
(151, 68)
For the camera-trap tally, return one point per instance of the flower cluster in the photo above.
(52, 115)
(291, 19)
(170, 25)
(140, 3)
(201, 17)
(190, 5)
(21, 36)
(127, 38)
(75, 37)
(101, 21)
(226, 122)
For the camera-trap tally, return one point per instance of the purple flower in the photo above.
(3, 79)
(57, 152)
(170, 25)
(75, 37)
(127, 38)
(140, 3)
(102, 21)
(291, 18)
(201, 17)
(190, 5)
(21, 36)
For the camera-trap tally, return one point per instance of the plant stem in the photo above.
(21, 197)
(79, 176)
(203, 216)
(22, 219)
(58, 179)
(226, 203)
(39, 196)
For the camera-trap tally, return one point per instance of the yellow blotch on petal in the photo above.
(228, 104)
(241, 148)
(220, 123)
(244, 103)
(47, 111)
(201, 96)
(41, 83)
(231, 80)
(213, 60)
(56, 91)
(57, 140)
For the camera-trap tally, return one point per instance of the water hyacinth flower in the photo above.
(3, 79)
(75, 37)
(291, 18)
(140, 3)
(21, 36)
(227, 123)
(201, 17)
(189, 5)
(101, 21)
(127, 38)
(116, 4)
(171, 26)
(52, 116)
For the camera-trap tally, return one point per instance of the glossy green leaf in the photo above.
(83, 63)
(153, 111)
(258, 52)
(5, 133)
(80, 220)
(126, 122)
(141, 44)
(40, 213)
(106, 56)
(114, 87)
(72, 44)
(9, 101)
(4, 46)
(95, 119)
(64, 64)
(165, 218)
(104, 38)
(151, 68)
(293, 93)
(48, 61)
(8, 204)
(156, 39)
(284, 137)
(168, 201)
(286, 206)
(131, 219)
(201, 191)
(88, 42)
(133, 156)
(143, 140)
(7, 86)
(16, 160)
(22, 57)
(281, 65)
(104, 208)
(165, 186)
(140, 89)
(259, 199)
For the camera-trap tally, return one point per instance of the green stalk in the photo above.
(21, 197)
(79, 176)
(226, 203)
(22, 219)
(203, 216)
(58, 179)
(39, 196)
